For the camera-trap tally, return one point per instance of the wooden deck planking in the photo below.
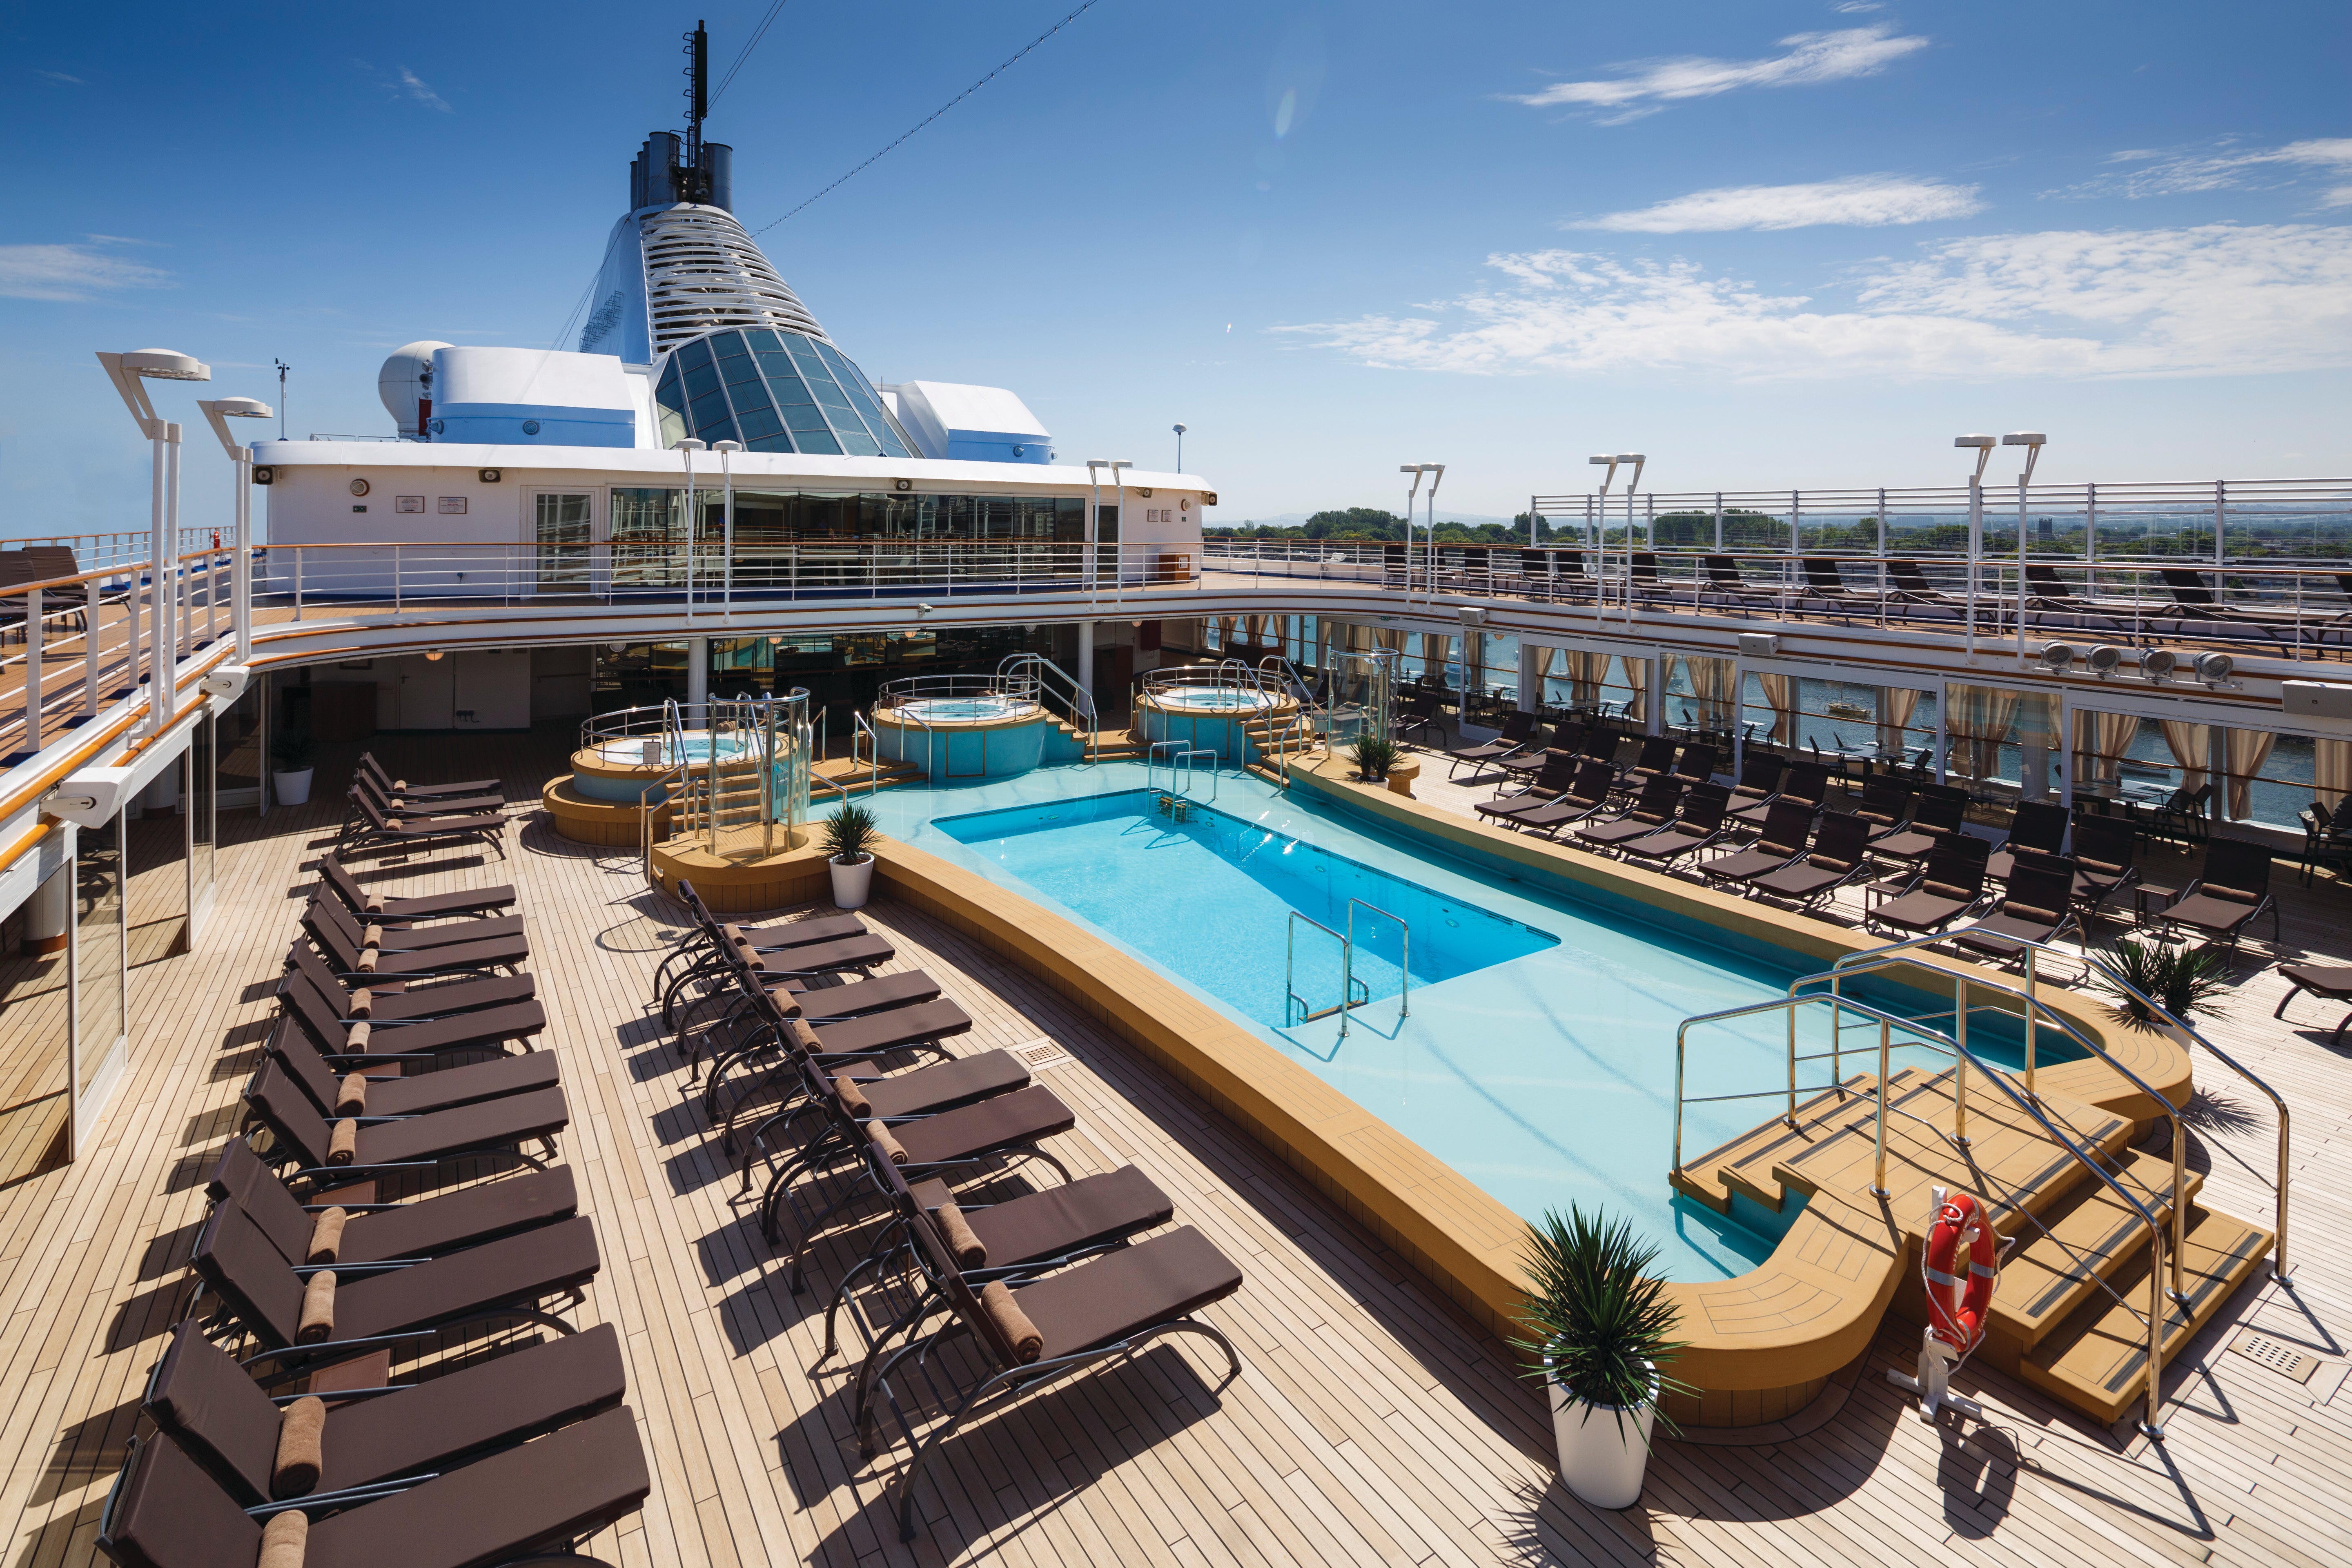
(1370, 1425)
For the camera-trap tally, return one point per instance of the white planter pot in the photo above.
(291, 789)
(851, 882)
(1602, 1459)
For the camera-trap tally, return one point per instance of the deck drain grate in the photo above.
(1042, 1054)
(2283, 1358)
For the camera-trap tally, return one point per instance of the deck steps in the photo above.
(2096, 1360)
(2087, 1236)
(1747, 1162)
(844, 773)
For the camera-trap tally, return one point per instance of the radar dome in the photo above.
(406, 379)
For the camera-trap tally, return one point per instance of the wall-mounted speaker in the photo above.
(489, 476)
(265, 476)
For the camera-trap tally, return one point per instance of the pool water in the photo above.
(1211, 699)
(1537, 1058)
(945, 708)
(1127, 870)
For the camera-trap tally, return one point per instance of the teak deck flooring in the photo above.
(1369, 1424)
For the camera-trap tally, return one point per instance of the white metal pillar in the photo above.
(1085, 673)
(1530, 692)
(698, 677)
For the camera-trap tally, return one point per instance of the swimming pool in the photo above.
(1122, 866)
(1211, 699)
(1539, 1065)
(963, 710)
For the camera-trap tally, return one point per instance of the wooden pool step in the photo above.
(1746, 1164)
(2096, 1360)
(2089, 1234)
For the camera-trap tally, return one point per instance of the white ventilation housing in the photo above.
(406, 380)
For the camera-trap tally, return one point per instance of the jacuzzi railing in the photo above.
(1078, 703)
(1225, 675)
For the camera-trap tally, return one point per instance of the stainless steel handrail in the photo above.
(2278, 1101)
(1289, 972)
(1933, 1038)
(1404, 959)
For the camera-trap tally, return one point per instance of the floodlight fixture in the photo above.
(1983, 445)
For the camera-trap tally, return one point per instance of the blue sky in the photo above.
(1768, 244)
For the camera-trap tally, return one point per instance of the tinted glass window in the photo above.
(758, 422)
(858, 444)
(694, 354)
(701, 381)
(770, 444)
(728, 345)
(709, 411)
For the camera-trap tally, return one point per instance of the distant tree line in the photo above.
(1367, 523)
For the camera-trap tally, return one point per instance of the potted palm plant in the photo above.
(849, 837)
(1601, 1327)
(1373, 757)
(290, 757)
(2184, 981)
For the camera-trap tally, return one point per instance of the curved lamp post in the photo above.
(130, 373)
(219, 411)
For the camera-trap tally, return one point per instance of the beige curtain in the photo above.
(1780, 696)
(1585, 673)
(1435, 651)
(1392, 640)
(1976, 721)
(1544, 655)
(2247, 751)
(1895, 706)
(2192, 748)
(2101, 741)
(1710, 684)
(2332, 771)
(1637, 676)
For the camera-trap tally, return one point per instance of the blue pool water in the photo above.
(1122, 867)
(1539, 1056)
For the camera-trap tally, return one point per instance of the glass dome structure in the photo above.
(776, 392)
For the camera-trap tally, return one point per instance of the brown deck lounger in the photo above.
(394, 936)
(931, 1145)
(374, 1232)
(1808, 784)
(222, 1419)
(1886, 800)
(2232, 888)
(1046, 1328)
(1595, 782)
(1028, 1235)
(384, 1090)
(2040, 826)
(418, 1040)
(492, 1126)
(924, 1091)
(374, 830)
(385, 1000)
(392, 804)
(703, 950)
(1542, 785)
(1936, 816)
(384, 781)
(526, 1504)
(1838, 855)
(1656, 760)
(1517, 735)
(1700, 825)
(837, 1046)
(247, 1279)
(2038, 905)
(1786, 827)
(2332, 981)
(2103, 861)
(337, 878)
(1651, 810)
(1760, 775)
(329, 924)
(1950, 886)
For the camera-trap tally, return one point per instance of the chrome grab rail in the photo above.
(1184, 791)
(1151, 762)
(1404, 959)
(1078, 702)
(2278, 1101)
(1306, 1014)
(2153, 1319)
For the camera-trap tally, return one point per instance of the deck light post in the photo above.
(690, 446)
(1600, 532)
(1179, 449)
(1435, 471)
(130, 372)
(2032, 441)
(1411, 498)
(219, 411)
(1982, 446)
(727, 450)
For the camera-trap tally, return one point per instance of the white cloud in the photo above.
(416, 89)
(71, 271)
(2222, 298)
(2221, 167)
(61, 75)
(1856, 7)
(1648, 85)
(1864, 200)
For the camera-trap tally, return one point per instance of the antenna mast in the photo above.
(697, 105)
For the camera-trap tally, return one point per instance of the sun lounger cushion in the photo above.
(1055, 1220)
(930, 1089)
(1115, 1296)
(421, 1229)
(889, 1030)
(1021, 1117)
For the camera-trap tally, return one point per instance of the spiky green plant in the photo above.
(850, 834)
(1599, 1323)
(1374, 757)
(2186, 980)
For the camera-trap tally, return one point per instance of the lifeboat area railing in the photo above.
(1946, 1034)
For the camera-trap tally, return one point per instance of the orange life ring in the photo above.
(1958, 1308)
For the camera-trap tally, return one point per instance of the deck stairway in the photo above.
(848, 775)
(2051, 1322)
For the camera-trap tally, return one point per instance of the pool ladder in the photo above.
(1353, 993)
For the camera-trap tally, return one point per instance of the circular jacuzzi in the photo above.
(962, 735)
(1203, 717)
(979, 709)
(1209, 699)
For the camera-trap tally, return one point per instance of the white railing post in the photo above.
(32, 670)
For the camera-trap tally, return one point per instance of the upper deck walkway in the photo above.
(1371, 1422)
